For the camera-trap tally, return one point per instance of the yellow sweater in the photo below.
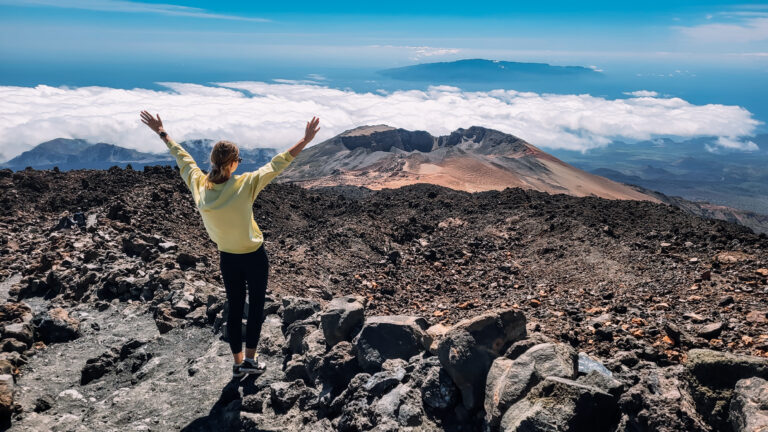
(227, 209)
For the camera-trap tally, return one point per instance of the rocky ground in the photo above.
(114, 309)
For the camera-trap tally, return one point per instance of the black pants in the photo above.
(237, 270)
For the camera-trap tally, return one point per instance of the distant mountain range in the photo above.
(472, 160)
(68, 154)
(481, 70)
(732, 178)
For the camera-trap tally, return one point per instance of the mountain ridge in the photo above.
(75, 153)
(472, 159)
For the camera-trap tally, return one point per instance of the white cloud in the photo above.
(259, 114)
(419, 52)
(751, 54)
(642, 93)
(741, 31)
(130, 7)
(734, 144)
(290, 81)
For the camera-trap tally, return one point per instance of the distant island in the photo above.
(481, 70)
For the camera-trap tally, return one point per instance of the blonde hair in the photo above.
(222, 154)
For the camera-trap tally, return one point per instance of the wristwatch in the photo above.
(163, 134)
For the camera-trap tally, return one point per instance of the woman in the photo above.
(225, 202)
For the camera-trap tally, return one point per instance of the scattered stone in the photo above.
(587, 364)
(731, 257)
(183, 304)
(164, 320)
(627, 358)
(694, 317)
(758, 316)
(186, 260)
(673, 331)
(725, 301)
(167, 246)
(43, 403)
(55, 326)
(711, 331)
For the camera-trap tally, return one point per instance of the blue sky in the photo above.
(382, 34)
(255, 72)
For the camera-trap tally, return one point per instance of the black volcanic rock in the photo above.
(386, 140)
(420, 250)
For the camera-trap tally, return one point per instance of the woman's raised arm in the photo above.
(188, 168)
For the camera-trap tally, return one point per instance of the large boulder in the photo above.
(6, 398)
(469, 347)
(296, 336)
(561, 404)
(509, 380)
(437, 388)
(713, 376)
(338, 365)
(97, 367)
(56, 325)
(402, 404)
(298, 308)
(390, 337)
(316, 349)
(19, 331)
(284, 395)
(660, 400)
(341, 318)
(749, 405)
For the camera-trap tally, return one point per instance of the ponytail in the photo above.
(222, 154)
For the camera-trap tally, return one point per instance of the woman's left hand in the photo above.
(154, 123)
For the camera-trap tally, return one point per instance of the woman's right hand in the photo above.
(310, 131)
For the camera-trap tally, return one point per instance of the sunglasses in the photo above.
(239, 159)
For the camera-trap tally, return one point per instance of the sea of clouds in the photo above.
(260, 114)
